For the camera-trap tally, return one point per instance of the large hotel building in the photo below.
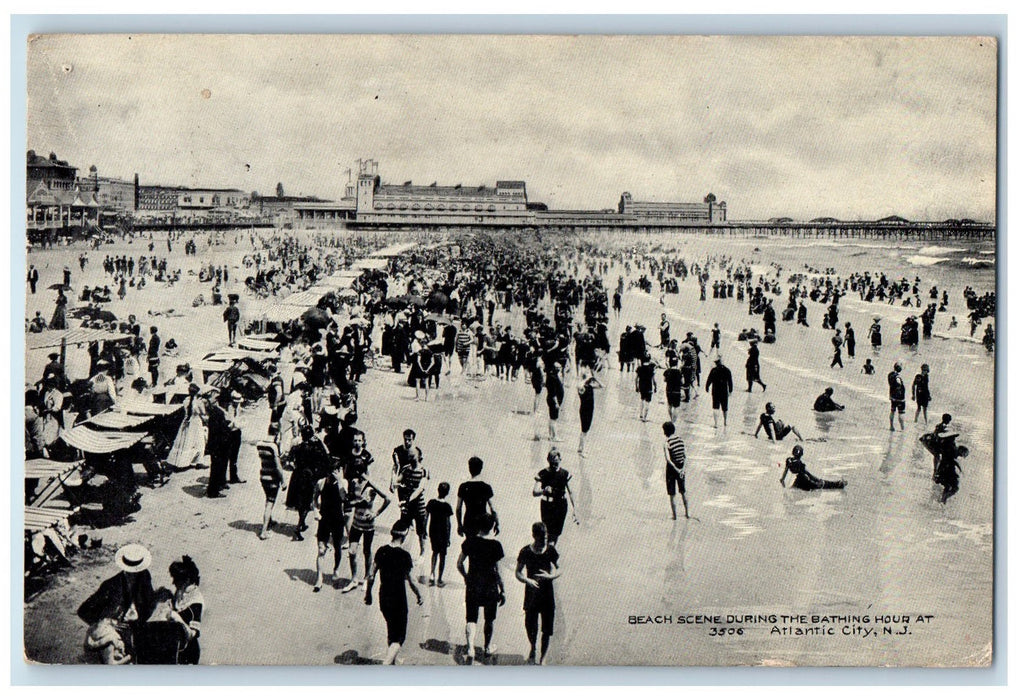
(371, 203)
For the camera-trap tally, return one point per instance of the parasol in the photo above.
(437, 302)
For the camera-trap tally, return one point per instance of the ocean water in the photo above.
(884, 545)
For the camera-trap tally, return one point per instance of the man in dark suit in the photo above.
(232, 404)
(33, 277)
(218, 445)
(153, 355)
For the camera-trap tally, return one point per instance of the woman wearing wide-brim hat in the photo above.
(119, 606)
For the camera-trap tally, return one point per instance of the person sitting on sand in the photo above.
(825, 403)
(775, 429)
(803, 479)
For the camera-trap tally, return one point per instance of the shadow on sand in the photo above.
(352, 657)
(458, 653)
(195, 490)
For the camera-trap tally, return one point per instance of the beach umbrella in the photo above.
(413, 299)
(316, 317)
(437, 302)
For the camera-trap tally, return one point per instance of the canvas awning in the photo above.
(93, 441)
(305, 299)
(371, 264)
(147, 408)
(115, 420)
(281, 313)
(260, 345)
(47, 468)
(73, 336)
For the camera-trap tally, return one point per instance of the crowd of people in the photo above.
(531, 316)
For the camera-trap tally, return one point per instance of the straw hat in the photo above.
(133, 558)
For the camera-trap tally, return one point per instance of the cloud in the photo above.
(839, 126)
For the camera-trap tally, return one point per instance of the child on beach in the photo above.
(439, 517)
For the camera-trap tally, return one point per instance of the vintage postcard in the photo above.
(508, 350)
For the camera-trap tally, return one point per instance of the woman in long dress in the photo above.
(189, 445)
(59, 320)
(585, 389)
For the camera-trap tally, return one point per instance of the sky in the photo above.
(849, 127)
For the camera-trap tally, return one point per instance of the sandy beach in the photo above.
(752, 552)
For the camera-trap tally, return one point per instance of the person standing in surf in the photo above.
(896, 392)
(921, 393)
(753, 367)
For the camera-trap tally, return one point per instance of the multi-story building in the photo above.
(162, 198)
(53, 173)
(206, 198)
(709, 212)
(381, 203)
(54, 201)
(157, 197)
(112, 194)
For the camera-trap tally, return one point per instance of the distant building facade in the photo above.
(115, 194)
(55, 202)
(710, 211)
(55, 174)
(378, 202)
(163, 198)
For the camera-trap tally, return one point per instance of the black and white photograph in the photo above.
(509, 350)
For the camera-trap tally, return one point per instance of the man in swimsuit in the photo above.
(362, 526)
(673, 387)
(896, 391)
(551, 485)
(675, 468)
(473, 501)
(537, 567)
(715, 338)
(720, 385)
(803, 479)
(392, 564)
(409, 481)
(825, 403)
(921, 392)
(775, 429)
(331, 502)
(646, 384)
(484, 586)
